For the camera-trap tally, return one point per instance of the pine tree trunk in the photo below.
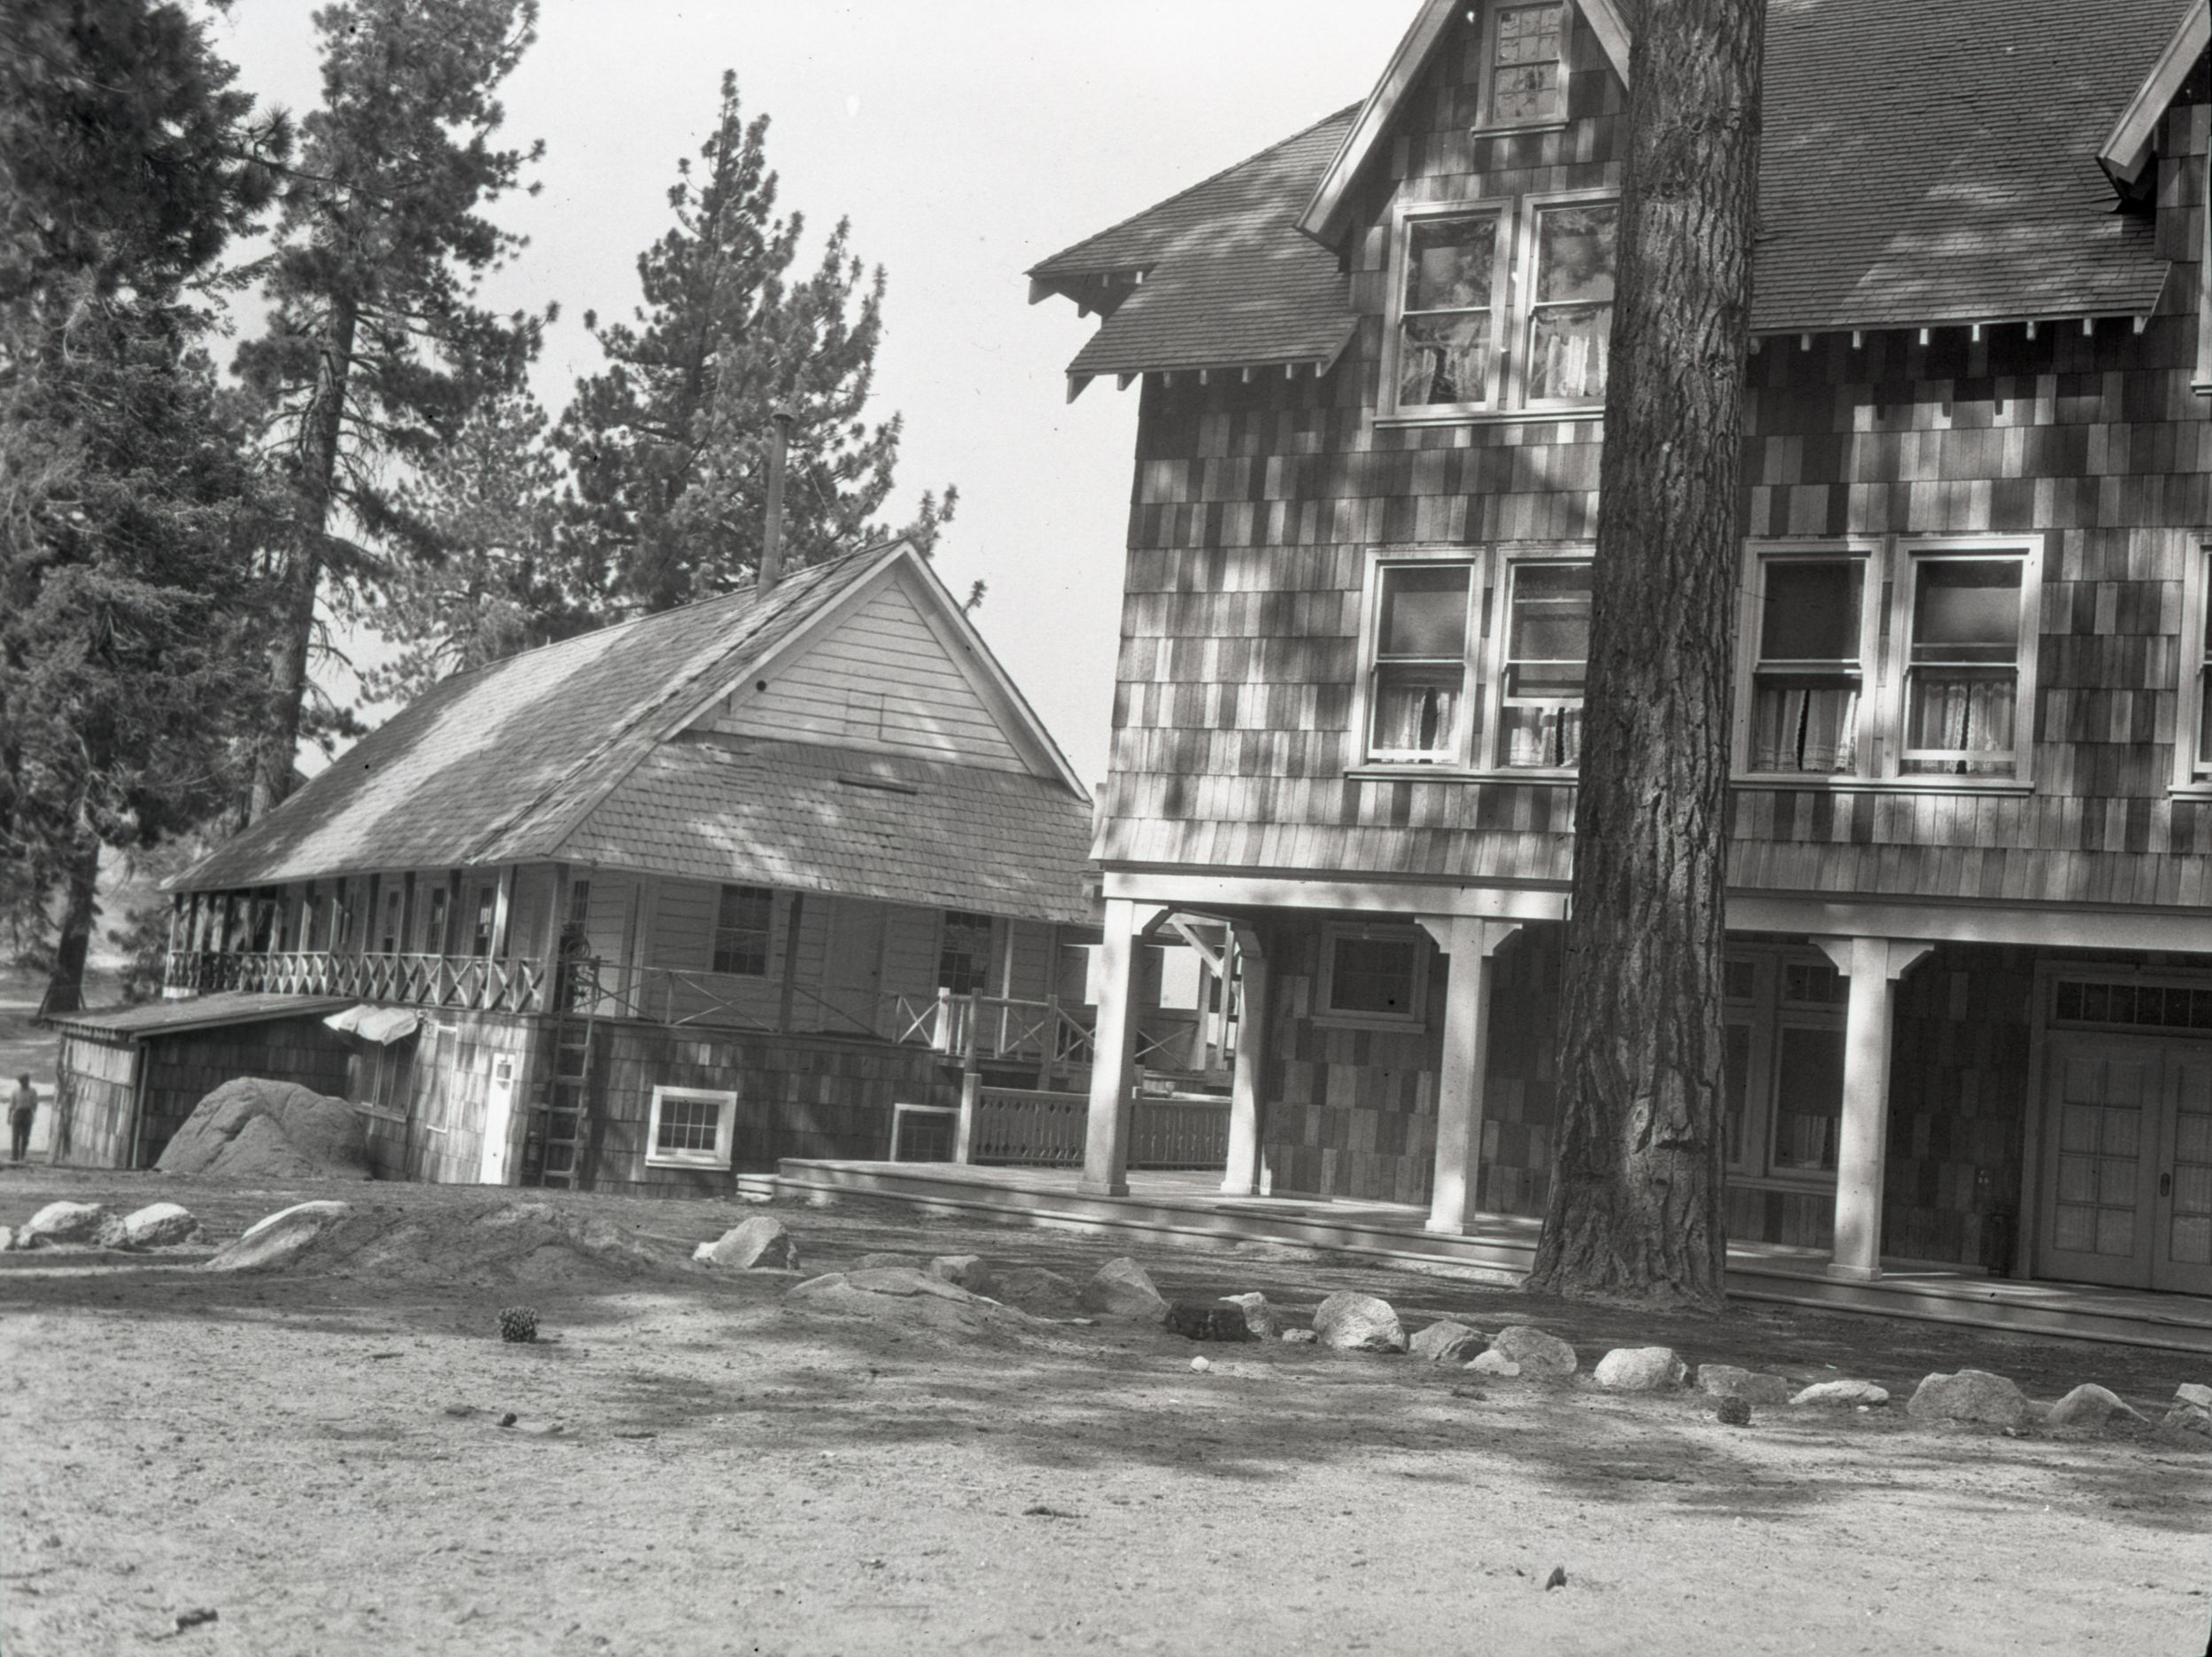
(65, 985)
(277, 746)
(1634, 1212)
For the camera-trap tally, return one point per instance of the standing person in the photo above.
(22, 1106)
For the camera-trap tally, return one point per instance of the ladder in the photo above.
(555, 1152)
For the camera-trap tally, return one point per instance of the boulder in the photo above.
(1841, 1394)
(2188, 1418)
(66, 1223)
(1206, 1320)
(1034, 1288)
(760, 1244)
(1297, 1337)
(7, 1240)
(906, 1296)
(255, 1129)
(970, 1271)
(1358, 1323)
(276, 1239)
(157, 1226)
(1494, 1363)
(875, 1262)
(1447, 1341)
(1726, 1381)
(1258, 1317)
(1540, 1356)
(1122, 1289)
(1640, 1369)
(1971, 1394)
(2190, 1392)
(1733, 1410)
(2091, 1405)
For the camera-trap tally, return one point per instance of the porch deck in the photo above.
(1501, 1246)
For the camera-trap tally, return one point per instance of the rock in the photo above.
(1494, 1363)
(1034, 1288)
(1122, 1289)
(7, 1240)
(1843, 1394)
(1540, 1356)
(1640, 1369)
(1726, 1381)
(1972, 1395)
(759, 1244)
(1206, 1320)
(159, 1225)
(1297, 1337)
(1201, 1366)
(66, 1223)
(1447, 1341)
(908, 1297)
(1358, 1323)
(1734, 1410)
(256, 1129)
(970, 1271)
(1258, 1317)
(875, 1262)
(275, 1240)
(2190, 1392)
(2091, 1405)
(2188, 1418)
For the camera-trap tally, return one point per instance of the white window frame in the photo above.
(1499, 635)
(1513, 284)
(724, 1133)
(1479, 565)
(1760, 556)
(1326, 1011)
(2192, 775)
(1768, 1012)
(1903, 581)
(1487, 119)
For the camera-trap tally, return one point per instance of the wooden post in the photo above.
(971, 1088)
(788, 1000)
(1244, 1176)
(1470, 943)
(1113, 1058)
(1874, 966)
(503, 913)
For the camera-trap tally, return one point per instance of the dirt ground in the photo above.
(318, 1460)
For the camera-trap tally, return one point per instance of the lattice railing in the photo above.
(471, 982)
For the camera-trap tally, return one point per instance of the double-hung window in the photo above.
(1546, 657)
(964, 953)
(1498, 309)
(2192, 746)
(742, 921)
(1809, 663)
(1963, 713)
(1418, 691)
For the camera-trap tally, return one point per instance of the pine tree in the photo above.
(378, 347)
(1634, 1212)
(126, 514)
(668, 445)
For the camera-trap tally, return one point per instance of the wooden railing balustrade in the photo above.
(1023, 1128)
(470, 981)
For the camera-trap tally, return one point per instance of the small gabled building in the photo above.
(1969, 982)
(656, 905)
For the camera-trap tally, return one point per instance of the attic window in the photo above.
(1525, 59)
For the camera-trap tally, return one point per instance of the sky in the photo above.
(965, 140)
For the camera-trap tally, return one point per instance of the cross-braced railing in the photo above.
(474, 982)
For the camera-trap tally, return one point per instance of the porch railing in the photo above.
(1001, 1026)
(471, 982)
(1023, 1128)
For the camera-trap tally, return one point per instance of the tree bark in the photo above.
(1635, 1211)
(65, 985)
(277, 747)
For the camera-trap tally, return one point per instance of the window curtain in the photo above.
(1968, 716)
(1414, 718)
(1544, 737)
(1804, 728)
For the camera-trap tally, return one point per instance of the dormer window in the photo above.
(1526, 54)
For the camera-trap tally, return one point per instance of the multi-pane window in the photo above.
(389, 943)
(1571, 309)
(487, 914)
(1380, 975)
(1492, 310)
(1447, 311)
(1419, 692)
(691, 1127)
(742, 920)
(1808, 676)
(434, 928)
(1782, 1063)
(1547, 653)
(1962, 674)
(964, 954)
(1528, 79)
(2200, 656)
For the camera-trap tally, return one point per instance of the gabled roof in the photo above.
(1923, 165)
(503, 763)
(1214, 277)
(2127, 151)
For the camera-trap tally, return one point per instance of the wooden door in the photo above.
(2099, 1173)
(2181, 1248)
(499, 1122)
(852, 968)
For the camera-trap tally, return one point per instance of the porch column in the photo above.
(1113, 1058)
(1470, 941)
(1244, 1177)
(1874, 966)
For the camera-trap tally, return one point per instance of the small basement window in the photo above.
(691, 1127)
(1374, 975)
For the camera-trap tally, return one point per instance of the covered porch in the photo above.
(1190, 1208)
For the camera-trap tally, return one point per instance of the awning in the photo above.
(381, 1024)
